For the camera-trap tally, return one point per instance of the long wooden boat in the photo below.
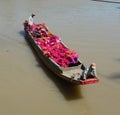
(44, 43)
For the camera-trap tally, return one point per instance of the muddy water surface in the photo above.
(91, 28)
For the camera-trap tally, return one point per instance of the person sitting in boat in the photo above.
(30, 20)
(89, 72)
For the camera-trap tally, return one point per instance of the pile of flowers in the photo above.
(52, 46)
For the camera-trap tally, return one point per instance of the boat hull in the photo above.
(71, 73)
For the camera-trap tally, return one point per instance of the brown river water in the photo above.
(91, 28)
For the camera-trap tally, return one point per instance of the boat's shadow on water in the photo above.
(69, 90)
